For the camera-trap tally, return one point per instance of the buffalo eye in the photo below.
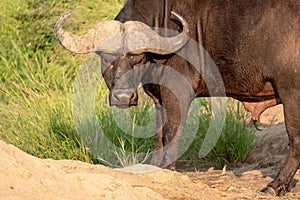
(136, 58)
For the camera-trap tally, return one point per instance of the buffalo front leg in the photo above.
(281, 183)
(157, 156)
(175, 114)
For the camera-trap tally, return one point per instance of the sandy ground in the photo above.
(25, 177)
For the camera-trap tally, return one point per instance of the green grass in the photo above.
(235, 142)
(37, 79)
(37, 76)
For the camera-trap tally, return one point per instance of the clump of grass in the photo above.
(236, 141)
(128, 146)
(133, 154)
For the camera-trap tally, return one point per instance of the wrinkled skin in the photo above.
(255, 45)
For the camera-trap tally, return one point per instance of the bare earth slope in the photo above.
(25, 177)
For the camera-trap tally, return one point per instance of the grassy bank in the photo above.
(37, 76)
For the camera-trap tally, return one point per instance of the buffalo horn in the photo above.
(91, 41)
(134, 36)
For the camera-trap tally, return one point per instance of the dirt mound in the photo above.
(26, 177)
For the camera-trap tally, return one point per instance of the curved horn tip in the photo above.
(186, 25)
(174, 13)
(68, 14)
(61, 20)
(177, 15)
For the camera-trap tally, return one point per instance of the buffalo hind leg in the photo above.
(281, 184)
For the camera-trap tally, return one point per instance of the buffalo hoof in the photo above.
(275, 192)
(269, 190)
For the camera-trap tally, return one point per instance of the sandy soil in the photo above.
(25, 177)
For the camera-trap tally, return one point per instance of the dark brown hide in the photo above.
(255, 45)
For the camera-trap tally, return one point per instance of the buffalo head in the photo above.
(122, 47)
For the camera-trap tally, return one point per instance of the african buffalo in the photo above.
(255, 45)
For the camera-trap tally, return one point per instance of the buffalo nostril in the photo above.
(123, 98)
(122, 95)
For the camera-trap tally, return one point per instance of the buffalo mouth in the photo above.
(123, 98)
